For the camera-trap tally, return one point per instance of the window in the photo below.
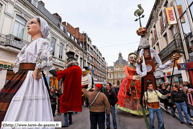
(61, 27)
(81, 62)
(35, 2)
(167, 4)
(163, 19)
(76, 57)
(166, 38)
(158, 47)
(61, 50)
(19, 27)
(84, 62)
(0, 7)
(88, 47)
(53, 42)
(117, 75)
(173, 31)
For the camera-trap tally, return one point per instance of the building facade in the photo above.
(14, 15)
(167, 39)
(116, 73)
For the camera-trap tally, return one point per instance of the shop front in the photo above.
(159, 77)
(187, 66)
(6, 73)
(177, 76)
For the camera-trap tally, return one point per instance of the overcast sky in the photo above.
(109, 23)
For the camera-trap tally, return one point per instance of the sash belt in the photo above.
(27, 66)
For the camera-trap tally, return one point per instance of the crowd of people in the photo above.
(180, 98)
(28, 88)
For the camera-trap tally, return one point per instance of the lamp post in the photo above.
(83, 48)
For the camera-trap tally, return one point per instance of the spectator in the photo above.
(186, 83)
(163, 91)
(190, 102)
(178, 99)
(67, 115)
(112, 97)
(170, 101)
(151, 96)
(181, 87)
(117, 90)
(103, 89)
(53, 98)
(97, 107)
(59, 93)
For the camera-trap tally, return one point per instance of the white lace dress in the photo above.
(32, 102)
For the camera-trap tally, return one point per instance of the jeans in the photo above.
(113, 117)
(159, 117)
(66, 118)
(173, 110)
(184, 108)
(97, 118)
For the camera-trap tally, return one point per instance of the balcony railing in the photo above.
(13, 41)
(174, 46)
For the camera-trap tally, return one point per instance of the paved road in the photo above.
(124, 120)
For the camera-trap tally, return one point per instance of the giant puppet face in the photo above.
(141, 31)
(132, 58)
(34, 27)
(84, 72)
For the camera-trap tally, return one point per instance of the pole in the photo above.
(83, 48)
(140, 22)
(172, 74)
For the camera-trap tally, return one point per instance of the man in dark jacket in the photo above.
(112, 97)
(178, 99)
(53, 98)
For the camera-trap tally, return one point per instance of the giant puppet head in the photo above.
(85, 71)
(141, 31)
(70, 60)
(132, 58)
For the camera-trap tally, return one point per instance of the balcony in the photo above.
(13, 41)
(168, 51)
(95, 57)
(95, 72)
(95, 64)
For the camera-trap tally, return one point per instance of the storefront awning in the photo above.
(175, 72)
(158, 74)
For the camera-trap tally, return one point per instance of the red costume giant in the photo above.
(71, 99)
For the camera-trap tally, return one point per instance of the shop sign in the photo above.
(6, 66)
(171, 16)
(189, 65)
(182, 66)
(92, 71)
(169, 73)
(180, 11)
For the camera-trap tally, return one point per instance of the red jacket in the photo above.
(71, 99)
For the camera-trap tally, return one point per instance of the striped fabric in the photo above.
(9, 91)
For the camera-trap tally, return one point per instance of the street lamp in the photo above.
(83, 48)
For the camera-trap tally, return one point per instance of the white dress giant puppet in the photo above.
(87, 81)
(25, 97)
